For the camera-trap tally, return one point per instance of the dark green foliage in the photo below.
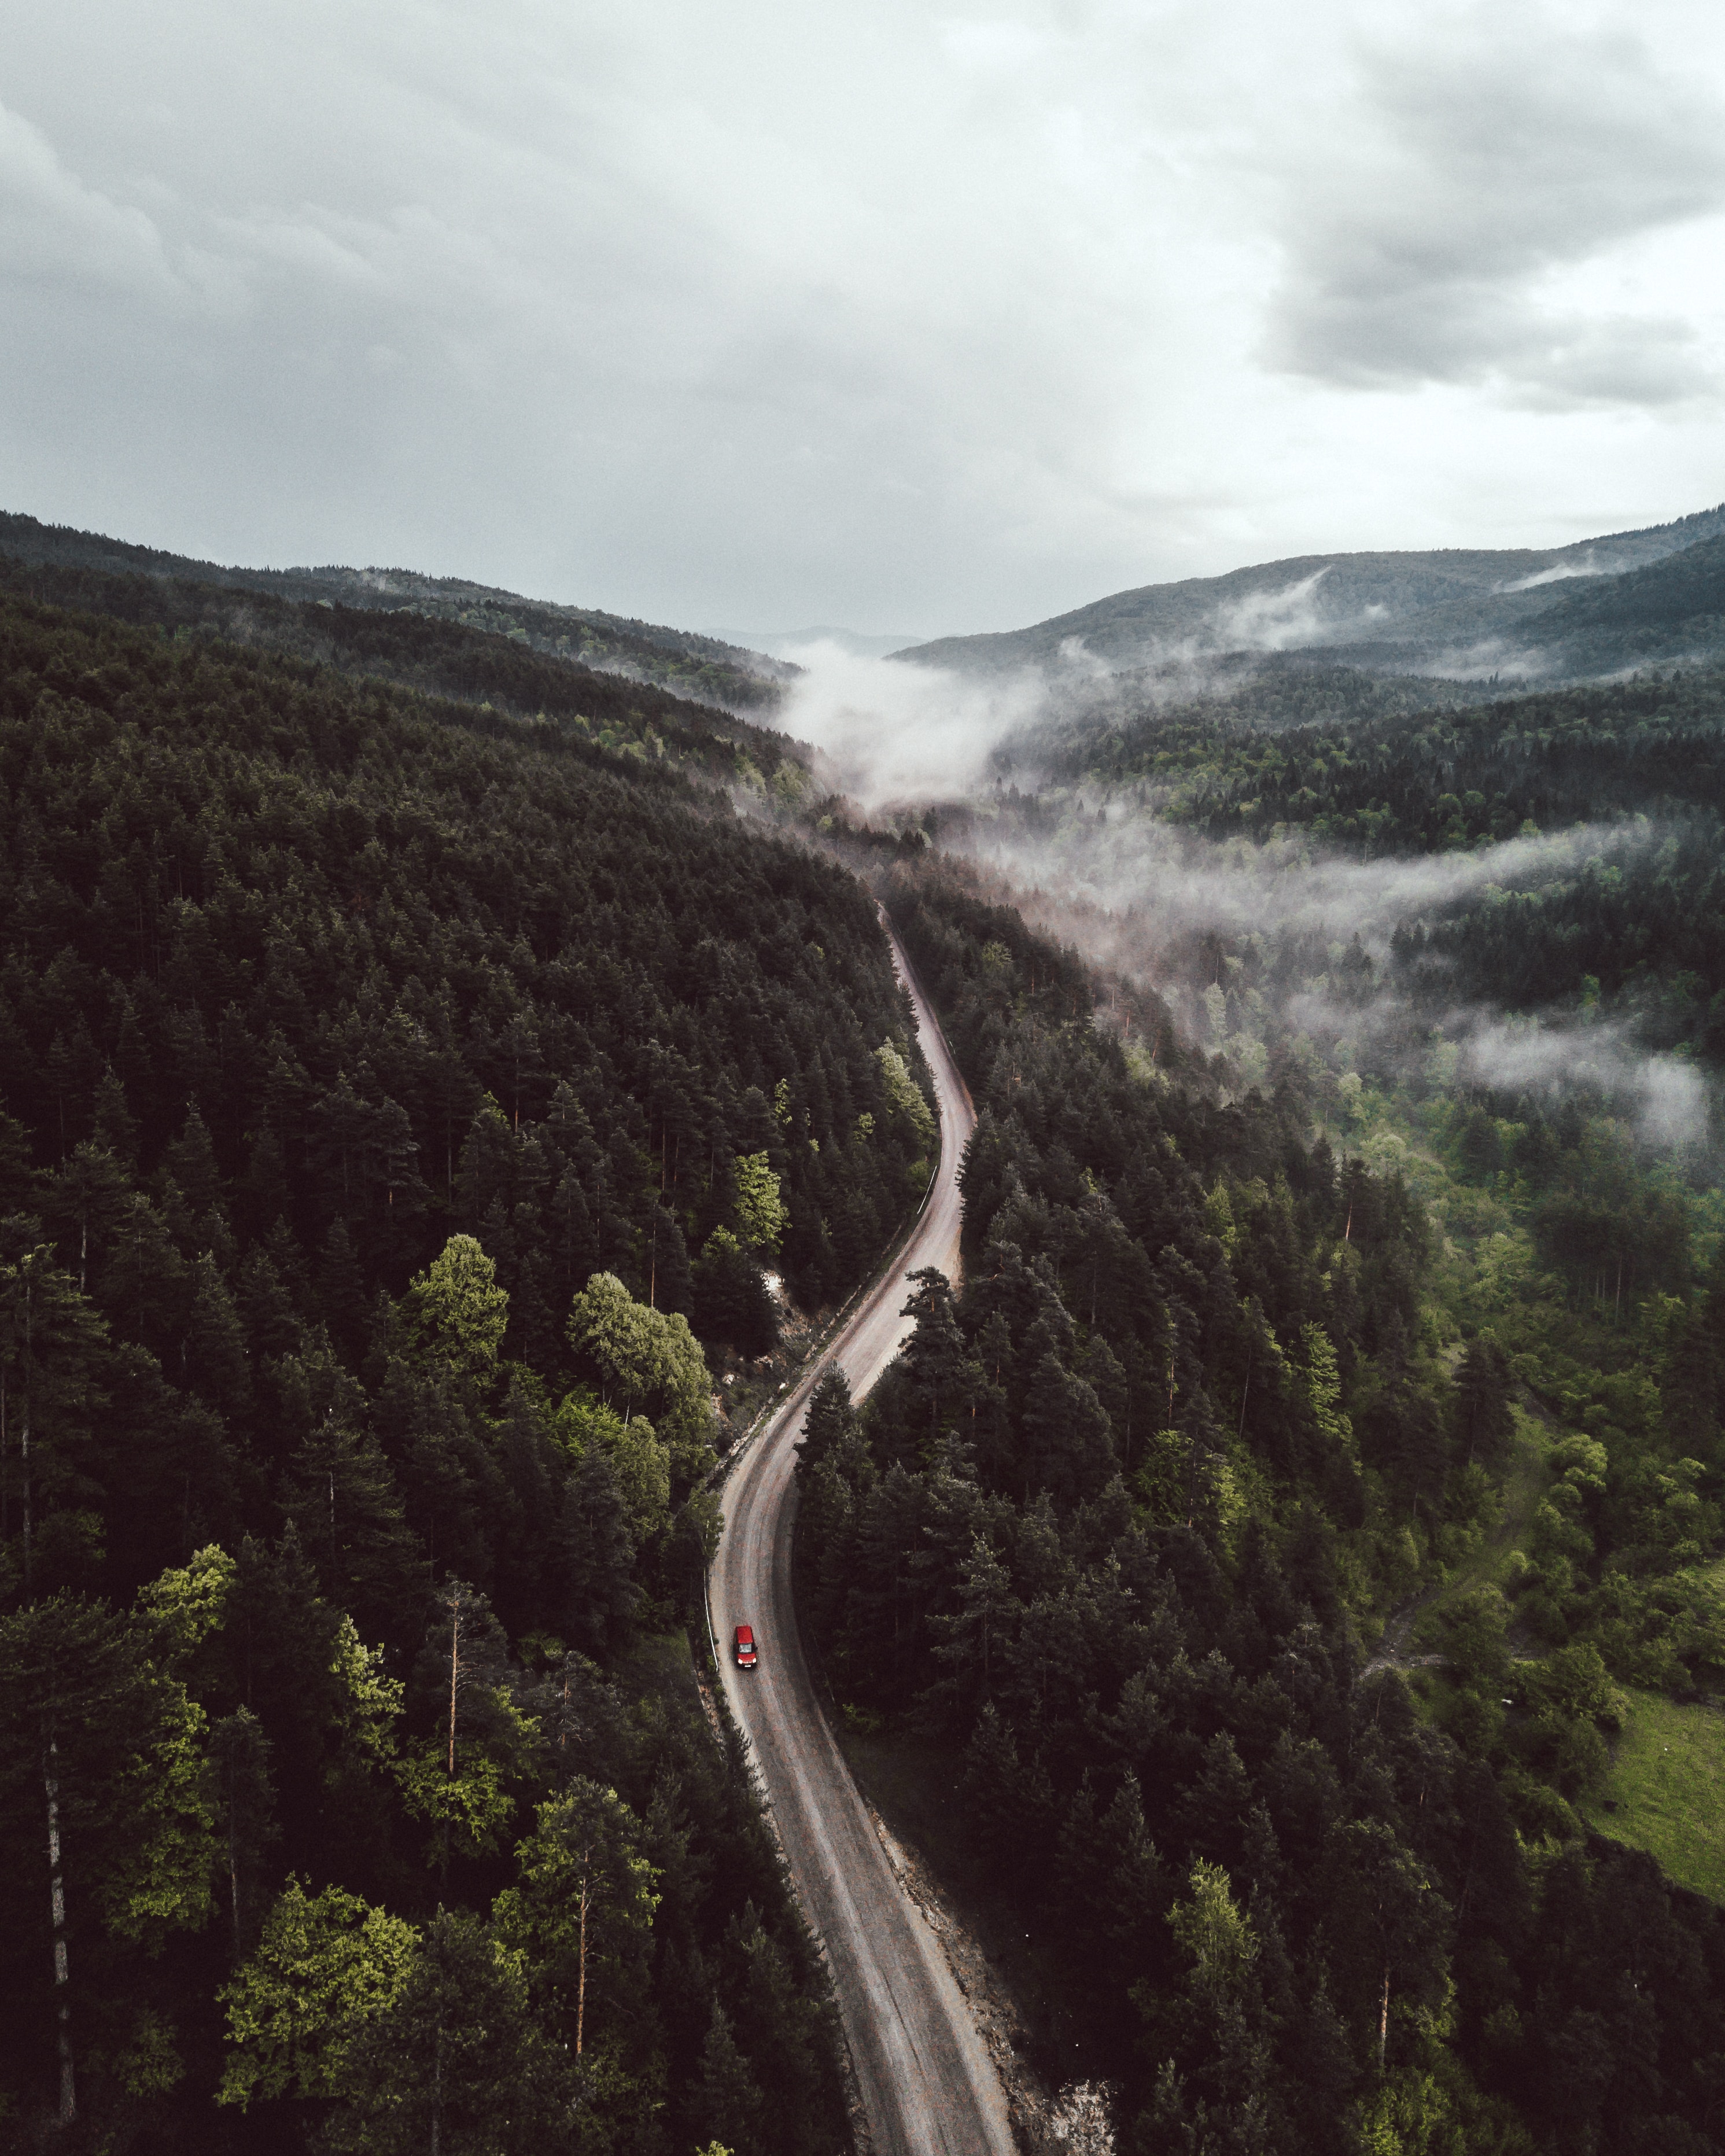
(1107, 1526)
(454, 636)
(301, 977)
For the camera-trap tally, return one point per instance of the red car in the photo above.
(743, 1647)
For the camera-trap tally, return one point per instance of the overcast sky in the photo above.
(905, 317)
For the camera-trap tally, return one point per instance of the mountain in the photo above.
(781, 643)
(1591, 606)
(692, 665)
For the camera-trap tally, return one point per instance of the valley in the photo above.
(442, 1065)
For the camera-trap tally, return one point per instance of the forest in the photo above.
(1215, 1399)
(434, 1073)
(405, 1105)
(687, 665)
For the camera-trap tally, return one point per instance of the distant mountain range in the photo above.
(1626, 599)
(781, 643)
(689, 664)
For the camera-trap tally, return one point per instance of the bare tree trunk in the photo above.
(455, 1672)
(454, 1680)
(57, 1903)
(24, 1434)
(581, 1981)
(1383, 2020)
(437, 2092)
(234, 1855)
(23, 1447)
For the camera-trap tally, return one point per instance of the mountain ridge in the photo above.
(1431, 604)
(684, 660)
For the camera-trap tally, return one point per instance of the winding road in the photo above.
(927, 2084)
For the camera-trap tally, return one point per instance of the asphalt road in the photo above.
(926, 2081)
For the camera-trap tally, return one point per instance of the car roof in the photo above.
(745, 1632)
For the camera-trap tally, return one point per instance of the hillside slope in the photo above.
(1410, 612)
(388, 1084)
(691, 665)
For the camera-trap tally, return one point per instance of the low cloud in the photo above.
(1141, 897)
(1669, 1096)
(1186, 884)
(1561, 571)
(898, 732)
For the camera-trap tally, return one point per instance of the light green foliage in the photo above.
(129, 1763)
(1162, 1481)
(164, 1880)
(323, 1968)
(705, 1520)
(458, 1309)
(904, 1097)
(1218, 1218)
(373, 1701)
(646, 1357)
(1470, 1630)
(1321, 1380)
(1214, 1935)
(638, 1455)
(186, 1604)
(643, 1464)
(580, 1421)
(584, 1850)
(761, 1212)
(471, 1808)
(456, 2064)
(1574, 1684)
(1665, 1791)
(468, 1810)
(151, 2064)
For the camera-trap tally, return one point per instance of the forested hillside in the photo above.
(688, 664)
(1594, 606)
(1629, 920)
(452, 658)
(389, 1085)
(1220, 1394)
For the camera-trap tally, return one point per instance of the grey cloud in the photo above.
(867, 314)
(1482, 165)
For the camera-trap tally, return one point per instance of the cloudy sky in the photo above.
(908, 317)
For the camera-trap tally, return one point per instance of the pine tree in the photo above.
(214, 1357)
(727, 2105)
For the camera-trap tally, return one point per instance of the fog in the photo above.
(899, 731)
(1261, 948)
(1139, 894)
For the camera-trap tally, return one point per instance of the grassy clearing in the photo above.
(1667, 1790)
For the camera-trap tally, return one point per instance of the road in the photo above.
(927, 2084)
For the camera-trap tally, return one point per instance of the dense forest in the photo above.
(424, 1097)
(456, 660)
(404, 1106)
(689, 665)
(1216, 1398)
